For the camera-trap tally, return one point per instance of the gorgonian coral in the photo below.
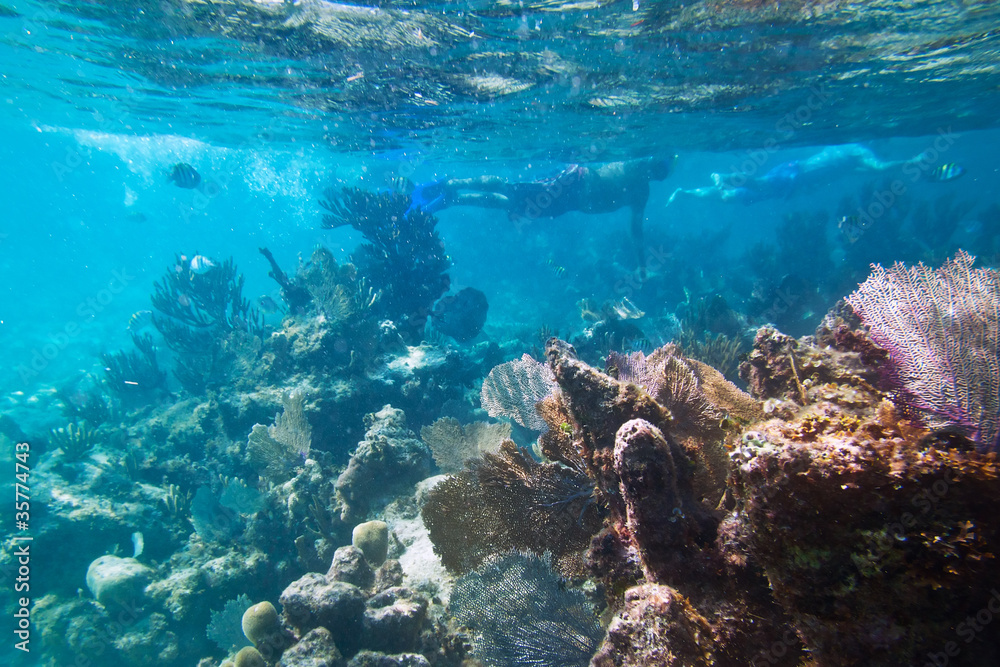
(512, 389)
(942, 331)
(520, 613)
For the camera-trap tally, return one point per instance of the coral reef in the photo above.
(871, 528)
(656, 520)
(388, 461)
(315, 649)
(872, 537)
(203, 316)
(315, 601)
(135, 378)
(704, 406)
(403, 257)
(348, 613)
(656, 626)
(837, 514)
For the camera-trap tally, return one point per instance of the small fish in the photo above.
(267, 304)
(850, 226)
(946, 172)
(184, 176)
(141, 319)
(200, 265)
(625, 309)
(138, 544)
(638, 345)
(559, 270)
(973, 227)
(136, 217)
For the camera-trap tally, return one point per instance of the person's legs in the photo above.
(715, 191)
(480, 199)
(478, 184)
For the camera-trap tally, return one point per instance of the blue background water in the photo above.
(85, 207)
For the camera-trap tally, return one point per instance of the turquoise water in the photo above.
(272, 102)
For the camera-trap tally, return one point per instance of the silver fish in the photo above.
(200, 265)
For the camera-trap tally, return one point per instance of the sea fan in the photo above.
(942, 331)
(520, 613)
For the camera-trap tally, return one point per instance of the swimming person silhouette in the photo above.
(788, 178)
(586, 189)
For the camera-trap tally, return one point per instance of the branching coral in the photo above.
(403, 257)
(198, 311)
(135, 377)
(75, 440)
(207, 302)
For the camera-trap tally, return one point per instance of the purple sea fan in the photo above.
(941, 329)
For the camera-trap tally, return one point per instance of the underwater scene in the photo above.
(496, 333)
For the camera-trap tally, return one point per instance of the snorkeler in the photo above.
(585, 189)
(788, 178)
